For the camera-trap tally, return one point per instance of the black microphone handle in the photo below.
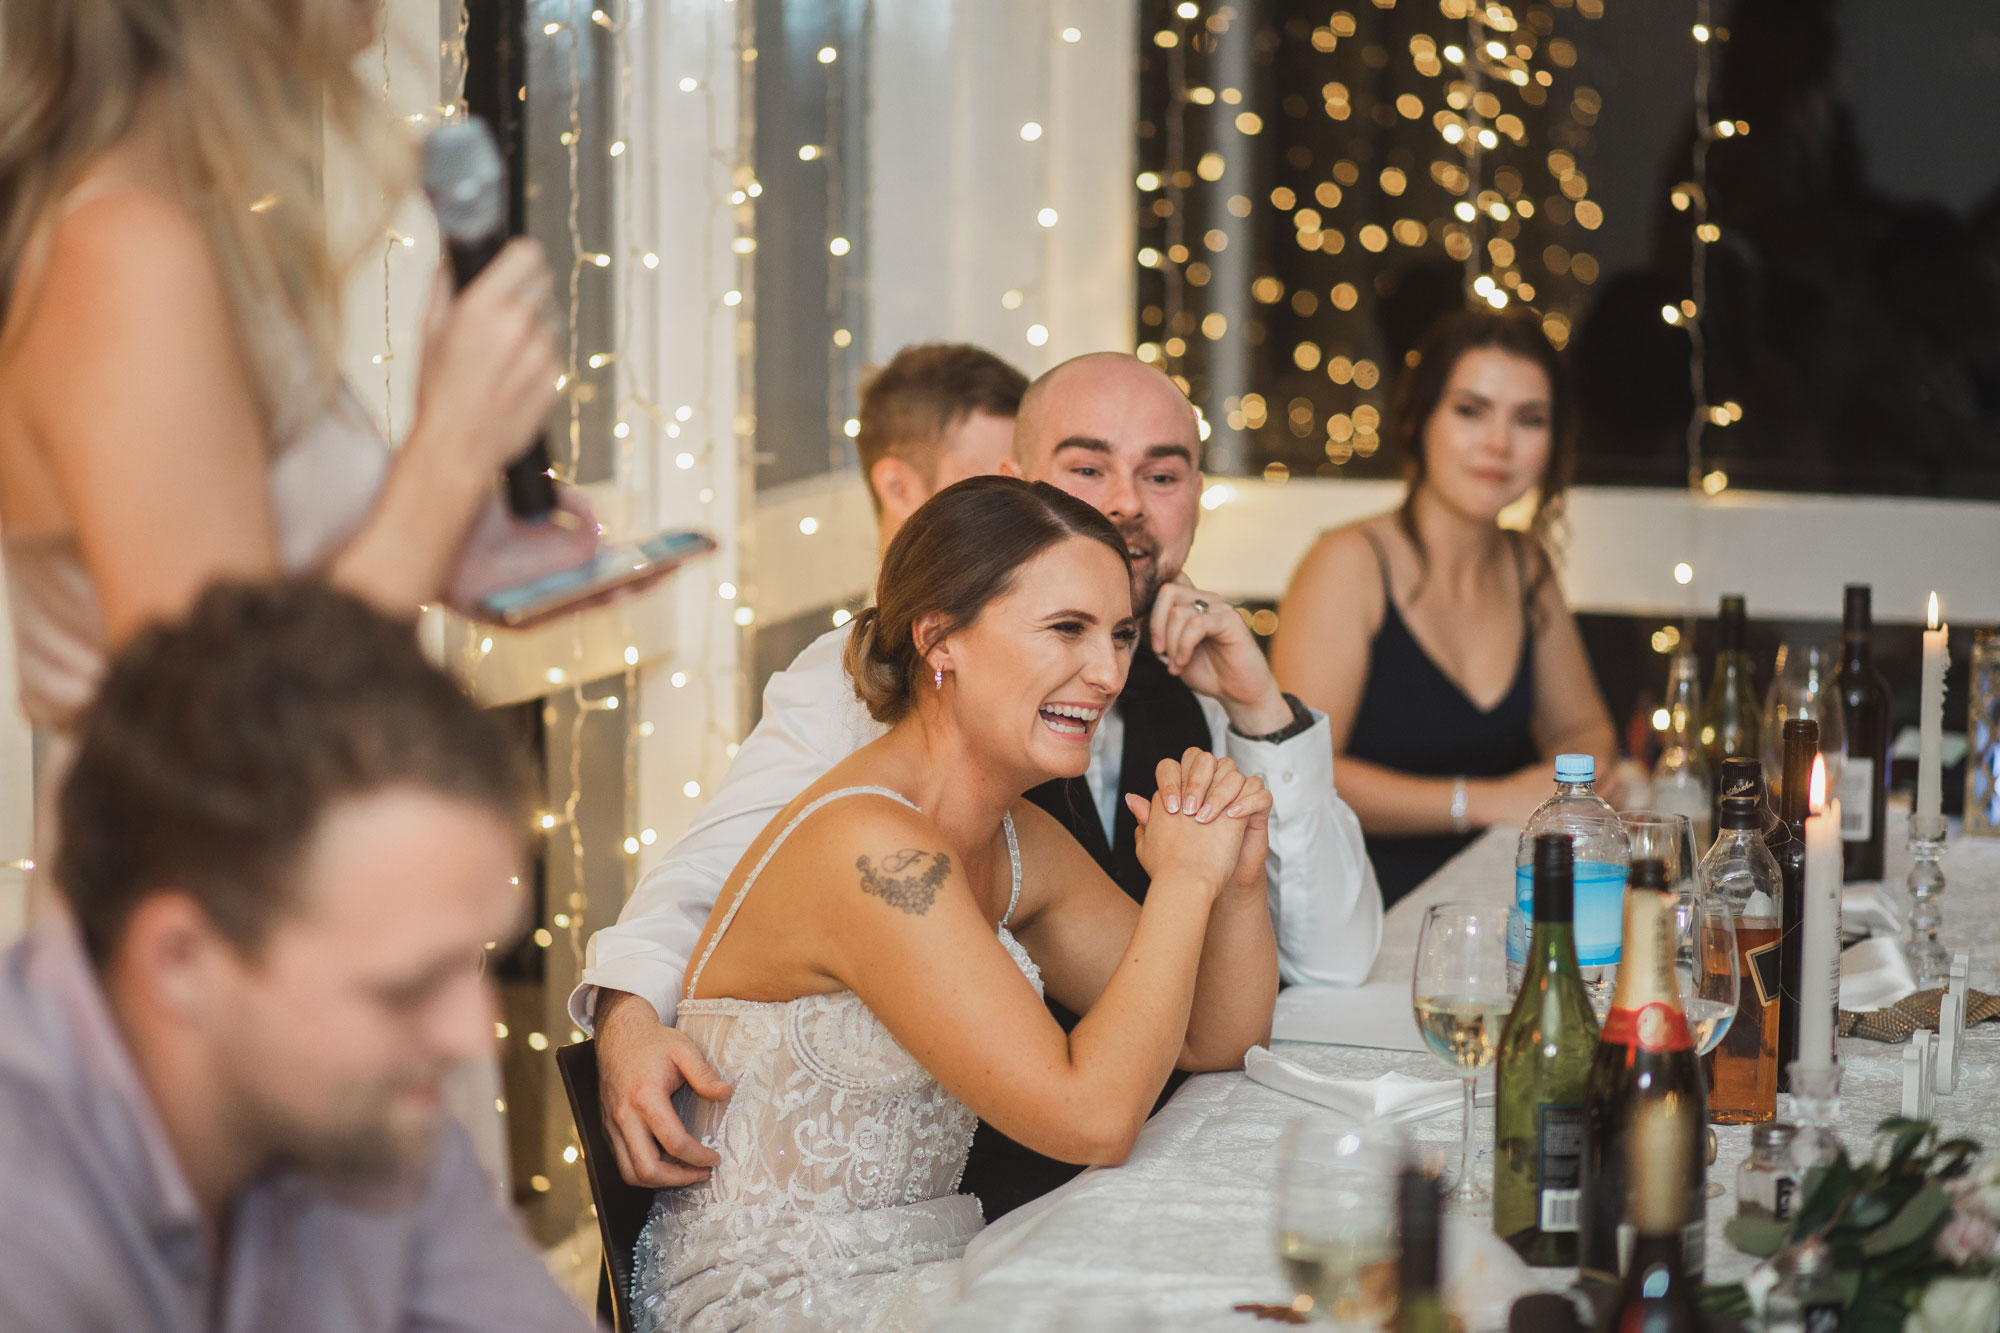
(531, 491)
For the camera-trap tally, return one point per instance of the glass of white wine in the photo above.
(1461, 999)
(1705, 964)
(1336, 1233)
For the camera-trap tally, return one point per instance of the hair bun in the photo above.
(880, 681)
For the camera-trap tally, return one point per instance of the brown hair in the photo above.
(924, 391)
(217, 743)
(958, 552)
(253, 93)
(1421, 387)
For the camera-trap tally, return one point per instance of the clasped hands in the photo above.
(1208, 821)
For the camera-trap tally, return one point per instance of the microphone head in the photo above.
(466, 180)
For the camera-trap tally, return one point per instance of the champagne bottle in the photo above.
(1743, 1070)
(1801, 745)
(1659, 1294)
(1729, 726)
(1419, 1304)
(1644, 1058)
(1542, 1066)
(1864, 778)
(1682, 781)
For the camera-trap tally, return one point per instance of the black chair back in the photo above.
(621, 1208)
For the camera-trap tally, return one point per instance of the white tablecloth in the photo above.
(1183, 1231)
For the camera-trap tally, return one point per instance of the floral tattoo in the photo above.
(907, 880)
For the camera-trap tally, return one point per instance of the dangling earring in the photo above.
(938, 677)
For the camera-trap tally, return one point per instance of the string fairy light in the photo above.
(1692, 197)
(1409, 132)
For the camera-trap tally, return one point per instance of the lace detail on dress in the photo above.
(836, 1204)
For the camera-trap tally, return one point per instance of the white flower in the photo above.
(1968, 1236)
(1957, 1305)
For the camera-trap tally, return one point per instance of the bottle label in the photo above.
(1559, 1172)
(1599, 914)
(1857, 799)
(1763, 966)
(1651, 1027)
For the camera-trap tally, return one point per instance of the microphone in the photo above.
(467, 185)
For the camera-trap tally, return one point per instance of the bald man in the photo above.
(1117, 433)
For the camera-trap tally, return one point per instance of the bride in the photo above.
(872, 977)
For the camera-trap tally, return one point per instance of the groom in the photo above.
(1117, 433)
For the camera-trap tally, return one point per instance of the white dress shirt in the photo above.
(1325, 906)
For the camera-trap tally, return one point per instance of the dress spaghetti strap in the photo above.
(743, 892)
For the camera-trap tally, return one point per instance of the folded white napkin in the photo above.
(1874, 974)
(1392, 1097)
(1872, 909)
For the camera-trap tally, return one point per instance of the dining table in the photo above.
(1182, 1234)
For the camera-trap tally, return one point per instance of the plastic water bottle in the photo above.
(1601, 855)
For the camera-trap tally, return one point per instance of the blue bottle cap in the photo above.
(1575, 768)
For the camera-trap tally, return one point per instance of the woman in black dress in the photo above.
(1437, 640)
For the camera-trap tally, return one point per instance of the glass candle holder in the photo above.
(1929, 960)
(1815, 1092)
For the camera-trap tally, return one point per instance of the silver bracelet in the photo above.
(1460, 800)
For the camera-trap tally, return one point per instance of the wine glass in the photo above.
(1705, 964)
(1337, 1219)
(1802, 687)
(1656, 835)
(1653, 835)
(1461, 998)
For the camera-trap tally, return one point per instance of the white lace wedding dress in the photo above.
(836, 1203)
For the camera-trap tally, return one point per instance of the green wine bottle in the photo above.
(1543, 1067)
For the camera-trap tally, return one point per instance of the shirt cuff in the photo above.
(1299, 767)
(656, 983)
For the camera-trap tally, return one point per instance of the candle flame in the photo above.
(1933, 611)
(1816, 789)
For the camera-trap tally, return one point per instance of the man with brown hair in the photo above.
(936, 414)
(285, 841)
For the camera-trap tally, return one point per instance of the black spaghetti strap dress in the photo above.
(1415, 719)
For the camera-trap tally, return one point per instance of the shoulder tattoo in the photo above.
(907, 880)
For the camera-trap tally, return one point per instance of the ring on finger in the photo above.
(1200, 607)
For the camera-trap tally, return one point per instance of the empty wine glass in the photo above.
(1656, 835)
(1705, 964)
(1336, 1224)
(1461, 999)
(1802, 687)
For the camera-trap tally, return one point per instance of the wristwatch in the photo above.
(1301, 723)
(1460, 801)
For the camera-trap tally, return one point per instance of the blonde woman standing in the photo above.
(171, 411)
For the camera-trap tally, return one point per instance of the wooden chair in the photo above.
(621, 1208)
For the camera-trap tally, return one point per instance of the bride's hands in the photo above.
(1208, 821)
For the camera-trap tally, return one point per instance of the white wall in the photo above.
(954, 190)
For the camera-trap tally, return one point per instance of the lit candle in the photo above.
(1819, 962)
(1930, 715)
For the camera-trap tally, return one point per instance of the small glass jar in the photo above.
(1807, 1298)
(1768, 1179)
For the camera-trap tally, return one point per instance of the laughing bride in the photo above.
(872, 978)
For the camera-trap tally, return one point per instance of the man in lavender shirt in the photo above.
(286, 840)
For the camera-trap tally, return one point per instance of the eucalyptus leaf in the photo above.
(1913, 1223)
(1909, 1135)
(1821, 1195)
(1759, 1236)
